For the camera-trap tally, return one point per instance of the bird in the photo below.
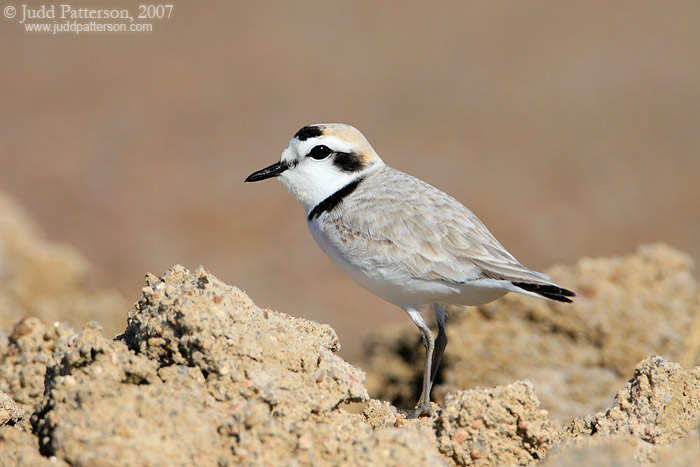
(397, 236)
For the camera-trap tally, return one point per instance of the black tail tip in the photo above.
(552, 292)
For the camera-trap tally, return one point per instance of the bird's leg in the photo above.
(440, 341)
(423, 407)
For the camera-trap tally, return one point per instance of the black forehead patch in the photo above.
(307, 132)
(348, 161)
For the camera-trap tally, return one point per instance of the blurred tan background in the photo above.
(570, 130)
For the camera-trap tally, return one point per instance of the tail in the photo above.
(551, 291)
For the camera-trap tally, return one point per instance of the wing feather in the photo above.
(396, 221)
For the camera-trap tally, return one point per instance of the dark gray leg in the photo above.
(440, 341)
(423, 407)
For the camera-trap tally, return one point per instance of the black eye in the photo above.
(320, 152)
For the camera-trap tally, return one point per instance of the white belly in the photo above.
(401, 289)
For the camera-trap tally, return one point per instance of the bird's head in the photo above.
(320, 160)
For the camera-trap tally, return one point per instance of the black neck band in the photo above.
(333, 200)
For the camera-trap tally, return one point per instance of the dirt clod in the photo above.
(499, 426)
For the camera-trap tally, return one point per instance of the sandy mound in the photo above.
(203, 376)
(499, 426)
(576, 355)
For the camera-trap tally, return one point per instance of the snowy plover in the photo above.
(400, 238)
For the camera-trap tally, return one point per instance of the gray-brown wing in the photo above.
(398, 221)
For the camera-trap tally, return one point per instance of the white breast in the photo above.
(392, 283)
(385, 282)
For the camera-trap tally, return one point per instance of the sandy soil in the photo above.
(575, 354)
(201, 375)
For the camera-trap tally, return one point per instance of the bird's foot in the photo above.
(423, 409)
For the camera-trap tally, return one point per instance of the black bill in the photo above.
(268, 172)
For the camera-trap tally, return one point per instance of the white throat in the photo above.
(311, 183)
